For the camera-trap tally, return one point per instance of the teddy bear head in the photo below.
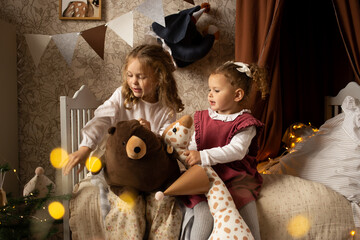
(137, 157)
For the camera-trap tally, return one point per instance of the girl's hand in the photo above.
(193, 157)
(144, 123)
(75, 158)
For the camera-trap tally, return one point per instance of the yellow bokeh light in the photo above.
(93, 164)
(58, 157)
(126, 200)
(352, 233)
(298, 226)
(56, 210)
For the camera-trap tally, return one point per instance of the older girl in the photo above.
(148, 93)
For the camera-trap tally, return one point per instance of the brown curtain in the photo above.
(301, 45)
(348, 18)
(257, 41)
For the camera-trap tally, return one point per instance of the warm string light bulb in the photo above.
(297, 133)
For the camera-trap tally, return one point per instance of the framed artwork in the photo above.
(80, 9)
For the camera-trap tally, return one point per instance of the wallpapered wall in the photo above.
(39, 88)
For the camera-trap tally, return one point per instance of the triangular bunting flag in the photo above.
(190, 1)
(37, 44)
(66, 44)
(95, 37)
(123, 26)
(154, 10)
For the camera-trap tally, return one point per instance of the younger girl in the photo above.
(226, 138)
(148, 93)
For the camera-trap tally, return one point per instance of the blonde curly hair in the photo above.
(154, 57)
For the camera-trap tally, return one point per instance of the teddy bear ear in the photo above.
(112, 130)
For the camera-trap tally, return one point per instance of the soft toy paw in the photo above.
(40, 185)
(137, 158)
(181, 35)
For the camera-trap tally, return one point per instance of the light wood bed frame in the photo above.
(76, 111)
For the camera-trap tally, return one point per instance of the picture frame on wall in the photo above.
(80, 9)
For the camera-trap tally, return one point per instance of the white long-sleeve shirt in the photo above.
(235, 150)
(113, 110)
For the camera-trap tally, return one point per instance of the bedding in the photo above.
(290, 207)
(283, 199)
(85, 214)
(332, 156)
(121, 222)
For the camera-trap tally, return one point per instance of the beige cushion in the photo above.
(284, 198)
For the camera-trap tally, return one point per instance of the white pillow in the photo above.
(332, 156)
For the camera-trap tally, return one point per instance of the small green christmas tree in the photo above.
(27, 217)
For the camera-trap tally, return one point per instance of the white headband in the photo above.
(244, 68)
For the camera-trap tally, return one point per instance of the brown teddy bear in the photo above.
(137, 157)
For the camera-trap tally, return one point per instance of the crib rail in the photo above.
(75, 112)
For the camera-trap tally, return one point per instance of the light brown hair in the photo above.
(154, 57)
(241, 80)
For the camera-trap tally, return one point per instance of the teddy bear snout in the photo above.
(135, 147)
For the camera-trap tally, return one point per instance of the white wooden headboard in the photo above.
(333, 104)
(75, 112)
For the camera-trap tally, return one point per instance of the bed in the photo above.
(289, 207)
